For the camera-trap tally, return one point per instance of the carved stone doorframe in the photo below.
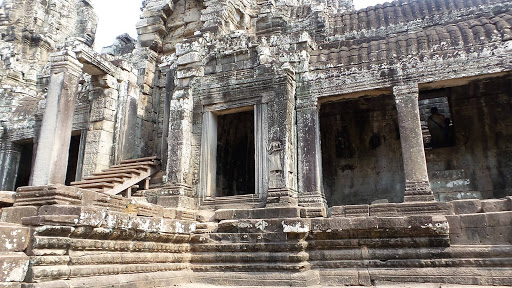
(209, 138)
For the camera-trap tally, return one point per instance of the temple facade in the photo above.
(275, 143)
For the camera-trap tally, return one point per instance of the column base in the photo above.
(311, 199)
(418, 191)
(281, 197)
(177, 189)
(314, 205)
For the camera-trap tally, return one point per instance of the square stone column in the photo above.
(282, 156)
(51, 160)
(179, 157)
(309, 155)
(100, 136)
(417, 185)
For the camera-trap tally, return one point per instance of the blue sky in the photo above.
(119, 16)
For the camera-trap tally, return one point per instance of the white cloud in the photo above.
(120, 16)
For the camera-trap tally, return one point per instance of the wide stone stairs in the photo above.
(243, 247)
(121, 177)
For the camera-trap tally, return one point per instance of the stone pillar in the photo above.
(309, 156)
(282, 156)
(51, 160)
(417, 185)
(9, 157)
(100, 136)
(180, 143)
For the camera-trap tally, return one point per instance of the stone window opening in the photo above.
(436, 119)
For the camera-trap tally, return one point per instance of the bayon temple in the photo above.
(257, 142)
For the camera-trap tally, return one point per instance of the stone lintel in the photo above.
(92, 62)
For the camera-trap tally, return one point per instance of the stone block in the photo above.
(13, 237)
(176, 201)
(357, 210)
(473, 220)
(337, 211)
(391, 222)
(498, 219)
(188, 58)
(424, 208)
(60, 220)
(7, 198)
(100, 200)
(467, 206)
(14, 266)
(277, 212)
(313, 212)
(384, 209)
(454, 224)
(47, 195)
(15, 214)
(496, 205)
(224, 214)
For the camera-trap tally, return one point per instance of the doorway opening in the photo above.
(73, 158)
(25, 164)
(235, 159)
(361, 151)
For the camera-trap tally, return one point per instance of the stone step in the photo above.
(252, 267)
(245, 258)
(151, 158)
(136, 164)
(258, 213)
(239, 243)
(258, 279)
(95, 185)
(115, 172)
(449, 196)
(98, 180)
(141, 168)
(119, 175)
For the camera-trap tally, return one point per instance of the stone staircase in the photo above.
(122, 177)
(449, 185)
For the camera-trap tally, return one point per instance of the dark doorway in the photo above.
(74, 152)
(25, 165)
(361, 151)
(235, 154)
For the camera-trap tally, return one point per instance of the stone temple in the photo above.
(257, 142)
